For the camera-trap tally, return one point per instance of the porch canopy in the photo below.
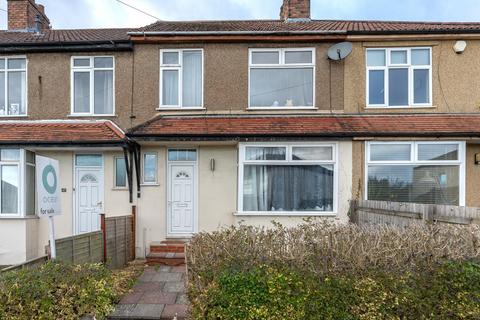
(61, 133)
(251, 127)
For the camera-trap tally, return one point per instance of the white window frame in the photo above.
(414, 161)
(289, 146)
(149, 183)
(91, 70)
(388, 66)
(21, 205)
(6, 70)
(281, 65)
(179, 67)
(115, 186)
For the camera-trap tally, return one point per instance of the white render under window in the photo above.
(281, 78)
(93, 87)
(181, 78)
(399, 77)
(17, 183)
(420, 172)
(13, 87)
(287, 179)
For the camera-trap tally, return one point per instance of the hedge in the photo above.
(328, 271)
(451, 291)
(62, 291)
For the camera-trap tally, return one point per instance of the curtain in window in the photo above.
(103, 83)
(3, 110)
(16, 93)
(81, 92)
(283, 87)
(170, 88)
(192, 79)
(9, 188)
(288, 188)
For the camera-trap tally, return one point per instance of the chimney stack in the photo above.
(295, 10)
(26, 15)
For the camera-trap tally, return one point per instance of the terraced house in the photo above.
(204, 124)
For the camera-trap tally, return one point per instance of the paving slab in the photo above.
(159, 293)
(167, 277)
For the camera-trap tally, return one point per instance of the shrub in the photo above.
(324, 248)
(59, 291)
(327, 271)
(451, 291)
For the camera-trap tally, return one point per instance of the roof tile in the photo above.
(326, 125)
(345, 26)
(60, 132)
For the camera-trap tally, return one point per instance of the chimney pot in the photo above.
(295, 10)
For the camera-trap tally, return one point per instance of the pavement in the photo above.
(159, 293)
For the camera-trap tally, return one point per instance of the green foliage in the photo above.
(57, 291)
(449, 291)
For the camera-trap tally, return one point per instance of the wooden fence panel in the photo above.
(120, 239)
(366, 212)
(83, 248)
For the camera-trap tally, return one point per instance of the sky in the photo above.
(71, 14)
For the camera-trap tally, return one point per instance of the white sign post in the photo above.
(48, 194)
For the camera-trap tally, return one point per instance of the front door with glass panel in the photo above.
(89, 192)
(182, 192)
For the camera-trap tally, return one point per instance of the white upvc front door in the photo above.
(181, 199)
(88, 198)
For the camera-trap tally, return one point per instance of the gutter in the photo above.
(66, 47)
(213, 33)
(304, 136)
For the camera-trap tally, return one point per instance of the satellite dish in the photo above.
(340, 51)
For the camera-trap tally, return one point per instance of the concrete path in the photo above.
(158, 294)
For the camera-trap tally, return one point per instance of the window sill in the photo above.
(119, 189)
(13, 116)
(285, 214)
(400, 107)
(16, 217)
(280, 108)
(180, 108)
(90, 115)
(149, 184)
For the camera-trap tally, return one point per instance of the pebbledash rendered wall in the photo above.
(217, 194)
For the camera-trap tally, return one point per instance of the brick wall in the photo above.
(295, 9)
(22, 15)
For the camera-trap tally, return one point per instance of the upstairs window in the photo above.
(13, 84)
(399, 77)
(281, 78)
(181, 78)
(93, 86)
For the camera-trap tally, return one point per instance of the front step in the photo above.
(168, 253)
(166, 258)
(168, 246)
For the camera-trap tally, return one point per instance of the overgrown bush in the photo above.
(451, 291)
(327, 271)
(61, 291)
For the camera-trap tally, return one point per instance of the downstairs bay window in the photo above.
(418, 172)
(287, 179)
(17, 187)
